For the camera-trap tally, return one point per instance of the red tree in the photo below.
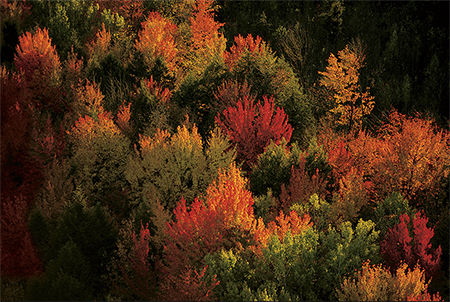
(208, 226)
(252, 127)
(399, 246)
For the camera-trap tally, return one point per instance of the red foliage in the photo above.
(242, 46)
(340, 160)
(141, 279)
(205, 228)
(301, 187)
(18, 254)
(398, 245)
(251, 128)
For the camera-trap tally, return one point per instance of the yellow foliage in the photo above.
(341, 78)
(374, 283)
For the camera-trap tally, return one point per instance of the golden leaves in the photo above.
(342, 79)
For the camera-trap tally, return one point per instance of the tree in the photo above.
(38, 62)
(375, 283)
(206, 41)
(157, 39)
(398, 246)
(251, 128)
(341, 80)
(222, 220)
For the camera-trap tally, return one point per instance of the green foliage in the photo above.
(75, 249)
(274, 168)
(218, 153)
(388, 211)
(272, 76)
(70, 23)
(342, 251)
(318, 209)
(177, 166)
(197, 94)
(150, 109)
(264, 205)
(100, 156)
(291, 263)
(13, 290)
(65, 277)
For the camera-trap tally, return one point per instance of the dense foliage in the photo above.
(208, 150)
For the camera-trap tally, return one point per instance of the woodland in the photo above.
(225, 150)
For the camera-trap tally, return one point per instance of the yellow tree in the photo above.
(341, 81)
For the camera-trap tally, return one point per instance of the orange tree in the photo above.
(342, 89)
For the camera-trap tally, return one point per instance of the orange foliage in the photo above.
(155, 89)
(282, 224)
(99, 48)
(373, 283)
(243, 46)
(123, 119)
(342, 80)
(206, 39)
(157, 40)
(36, 57)
(38, 63)
(86, 128)
(229, 197)
(409, 155)
(88, 99)
(73, 68)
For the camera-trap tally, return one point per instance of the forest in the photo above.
(197, 150)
